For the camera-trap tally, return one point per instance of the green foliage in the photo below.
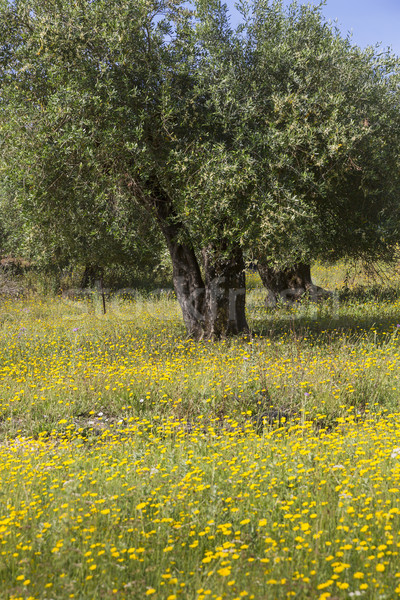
(278, 135)
(305, 137)
(65, 107)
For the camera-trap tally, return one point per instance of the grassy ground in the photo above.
(135, 463)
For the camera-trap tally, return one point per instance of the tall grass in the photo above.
(137, 463)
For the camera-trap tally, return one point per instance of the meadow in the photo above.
(136, 463)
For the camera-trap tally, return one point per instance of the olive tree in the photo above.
(144, 114)
(320, 119)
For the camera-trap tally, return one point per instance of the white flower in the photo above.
(395, 453)
(337, 467)
(346, 496)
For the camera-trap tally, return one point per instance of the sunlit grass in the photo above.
(137, 463)
(160, 510)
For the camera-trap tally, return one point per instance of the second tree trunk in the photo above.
(286, 285)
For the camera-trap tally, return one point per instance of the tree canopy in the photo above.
(125, 118)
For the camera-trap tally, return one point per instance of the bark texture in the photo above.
(189, 287)
(213, 306)
(290, 285)
(187, 279)
(225, 298)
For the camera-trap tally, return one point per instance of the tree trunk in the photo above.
(189, 287)
(214, 307)
(186, 274)
(225, 298)
(90, 275)
(289, 285)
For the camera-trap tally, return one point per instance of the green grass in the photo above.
(136, 463)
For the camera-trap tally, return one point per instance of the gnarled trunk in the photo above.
(290, 284)
(215, 306)
(189, 287)
(186, 274)
(225, 297)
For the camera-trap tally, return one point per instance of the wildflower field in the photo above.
(136, 463)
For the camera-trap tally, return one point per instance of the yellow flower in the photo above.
(262, 522)
(322, 586)
(342, 586)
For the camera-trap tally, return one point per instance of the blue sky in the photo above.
(370, 21)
